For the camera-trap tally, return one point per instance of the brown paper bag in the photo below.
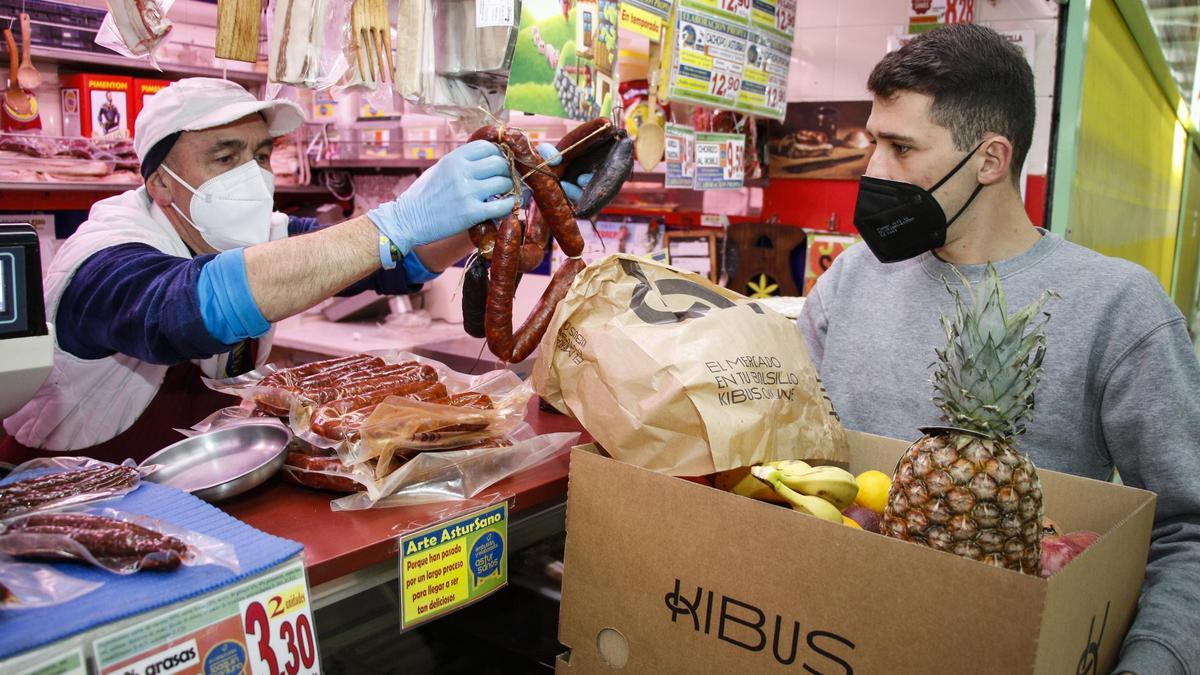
(673, 373)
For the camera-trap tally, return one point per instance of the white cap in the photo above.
(199, 103)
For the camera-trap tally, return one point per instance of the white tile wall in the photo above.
(814, 62)
(859, 48)
(999, 10)
(872, 12)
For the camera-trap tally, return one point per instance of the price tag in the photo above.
(720, 161)
(493, 13)
(68, 663)
(711, 52)
(453, 564)
(279, 632)
(261, 625)
(680, 156)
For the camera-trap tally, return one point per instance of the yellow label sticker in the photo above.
(453, 564)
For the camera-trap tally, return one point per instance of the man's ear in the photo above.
(997, 153)
(156, 186)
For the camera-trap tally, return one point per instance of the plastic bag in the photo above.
(122, 543)
(454, 474)
(404, 427)
(135, 28)
(62, 482)
(31, 586)
(307, 39)
(319, 471)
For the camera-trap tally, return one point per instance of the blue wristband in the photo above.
(387, 257)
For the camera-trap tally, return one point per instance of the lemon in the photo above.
(849, 522)
(873, 489)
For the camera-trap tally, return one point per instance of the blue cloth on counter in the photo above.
(226, 304)
(134, 299)
(124, 596)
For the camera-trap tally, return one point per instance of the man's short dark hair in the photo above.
(979, 83)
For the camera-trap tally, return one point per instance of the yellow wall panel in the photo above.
(1131, 152)
(1188, 264)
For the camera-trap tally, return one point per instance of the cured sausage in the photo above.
(289, 377)
(510, 347)
(102, 537)
(391, 382)
(608, 178)
(467, 399)
(474, 299)
(27, 495)
(547, 193)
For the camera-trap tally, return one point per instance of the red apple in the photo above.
(866, 518)
(1058, 551)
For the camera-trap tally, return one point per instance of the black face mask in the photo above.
(900, 220)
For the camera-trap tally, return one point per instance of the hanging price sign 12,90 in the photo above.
(453, 564)
(764, 79)
(709, 53)
(777, 17)
(720, 161)
(262, 626)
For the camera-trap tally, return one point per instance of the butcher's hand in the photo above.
(573, 191)
(448, 198)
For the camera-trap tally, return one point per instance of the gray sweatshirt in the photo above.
(1120, 389)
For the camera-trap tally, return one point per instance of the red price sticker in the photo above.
(739, 7)
(725, 85)
(960, 11)
(279, 632)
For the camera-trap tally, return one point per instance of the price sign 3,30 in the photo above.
(279, 632)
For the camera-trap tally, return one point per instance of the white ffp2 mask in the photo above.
(232, 210)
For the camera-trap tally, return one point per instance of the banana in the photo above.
(792, 465)
(813, 506)
(835, 485)
(741, 482)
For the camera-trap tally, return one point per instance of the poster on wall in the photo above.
(822, 250)
(565, 59)
(826, 140)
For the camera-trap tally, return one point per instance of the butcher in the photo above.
(185, 276)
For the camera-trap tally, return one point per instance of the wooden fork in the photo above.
(373, 32)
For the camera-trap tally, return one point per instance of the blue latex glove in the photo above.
(448, 198)
(573, 191)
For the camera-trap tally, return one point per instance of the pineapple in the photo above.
(963, 488)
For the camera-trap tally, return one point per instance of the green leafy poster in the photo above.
(564, 64)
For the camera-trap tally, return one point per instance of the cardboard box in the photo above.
(96, 106)
(665, 575)
(143, 89)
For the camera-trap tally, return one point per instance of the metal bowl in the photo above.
(220, 464)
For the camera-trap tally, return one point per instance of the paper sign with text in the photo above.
(720, 161)
(453, 564)
(70, 663)
(263, 625)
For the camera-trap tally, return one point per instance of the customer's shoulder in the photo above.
(1092, 267)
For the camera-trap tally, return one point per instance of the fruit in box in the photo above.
(864, 517)
(873, 487)
(1058, 551)
(741, 482)
(964, 488)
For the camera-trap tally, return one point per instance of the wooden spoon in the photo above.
(651, 138)
(14, 97)
(27, 75)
